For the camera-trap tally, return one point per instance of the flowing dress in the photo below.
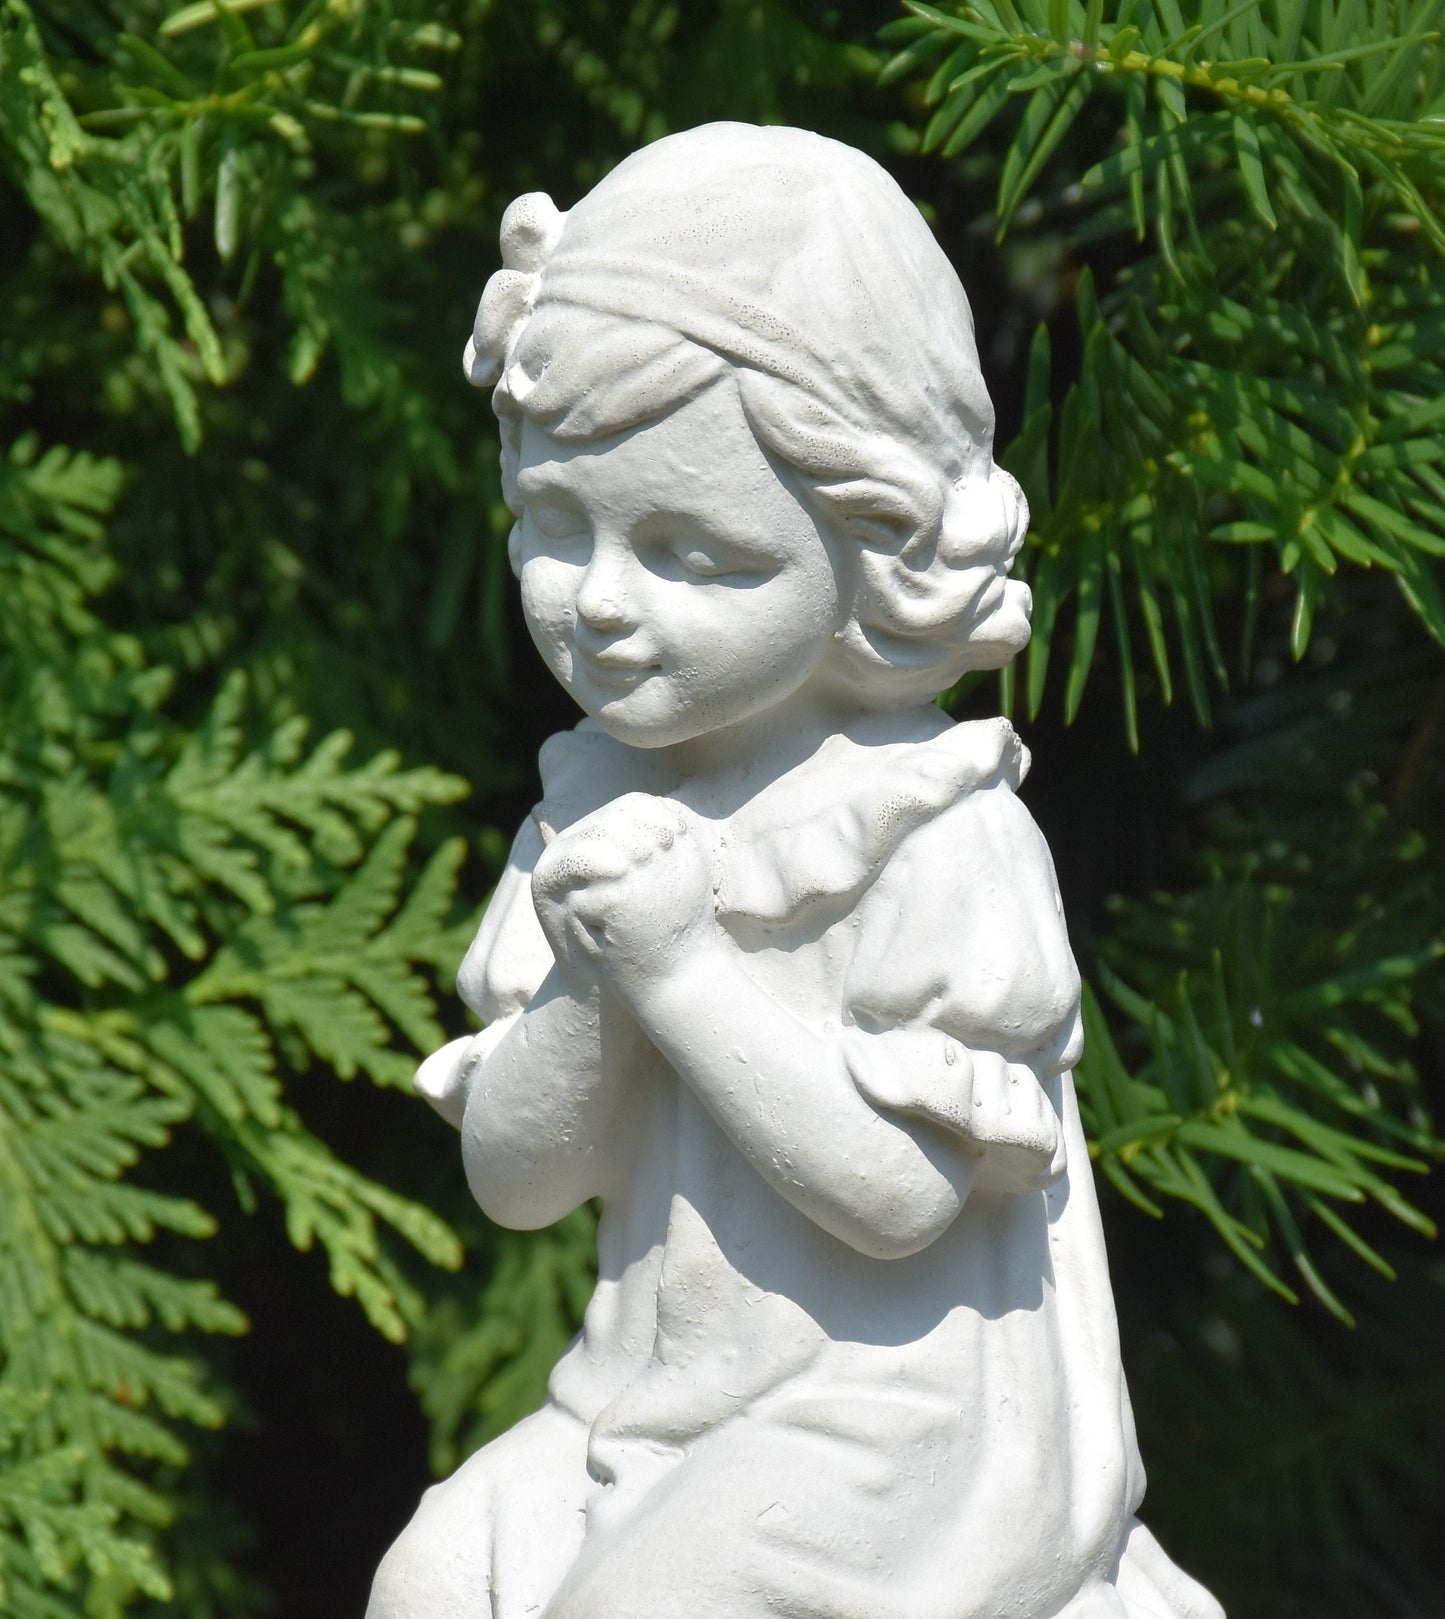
(756, 1418)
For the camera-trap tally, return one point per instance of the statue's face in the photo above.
(673, 584)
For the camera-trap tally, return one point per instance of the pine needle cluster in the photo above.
(1263, 380)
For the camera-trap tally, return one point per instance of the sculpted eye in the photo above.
(722, 562)
(702, 564)
(880, 530)
(712, 557)
(556, 522)
(677, 546)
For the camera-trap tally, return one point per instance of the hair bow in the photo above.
(531, 229)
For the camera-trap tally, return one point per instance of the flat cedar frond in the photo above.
(129, 850)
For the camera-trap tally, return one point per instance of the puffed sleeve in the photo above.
(963, 932)
(962, 992)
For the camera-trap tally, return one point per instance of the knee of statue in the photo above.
(431, 1570)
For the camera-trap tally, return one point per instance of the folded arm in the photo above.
(786, 1096)
(877, 1132)
(535, 1093)
(540, 1126)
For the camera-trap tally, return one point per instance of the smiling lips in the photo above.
(616, 666)
(990, 593)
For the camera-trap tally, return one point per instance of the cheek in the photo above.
(549, 601)
(778, 631)
(808, 609)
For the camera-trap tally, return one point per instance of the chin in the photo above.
(638, 730)
(633, 736)
(1005, 631)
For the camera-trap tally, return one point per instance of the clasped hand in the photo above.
(626, 893)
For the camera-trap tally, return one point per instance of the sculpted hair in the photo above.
(805, 278)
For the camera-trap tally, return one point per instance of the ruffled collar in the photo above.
(815, 836)
(821, 833)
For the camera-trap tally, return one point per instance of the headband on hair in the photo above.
(780, 251)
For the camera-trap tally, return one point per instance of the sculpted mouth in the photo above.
(607, 660)
(985, 583)
(615, 667)
(991, 594)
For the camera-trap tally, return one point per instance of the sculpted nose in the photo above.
(603, 598)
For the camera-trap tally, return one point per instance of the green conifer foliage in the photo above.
(253, 588)
(1285, 401)
(182, 917)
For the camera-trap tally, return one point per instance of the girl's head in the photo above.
(787, 279)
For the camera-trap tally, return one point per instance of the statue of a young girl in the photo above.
(777, 970)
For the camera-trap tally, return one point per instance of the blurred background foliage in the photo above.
(258, 644)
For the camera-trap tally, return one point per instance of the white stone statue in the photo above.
(777, 970)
